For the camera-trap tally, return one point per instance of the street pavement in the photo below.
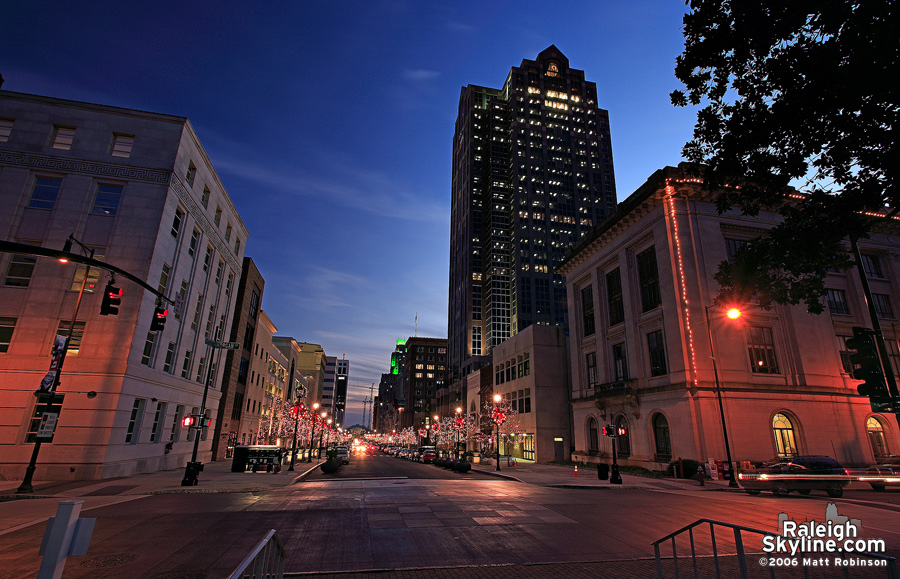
(30, 514)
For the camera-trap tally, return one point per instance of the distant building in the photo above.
(423, 375)
(311, 364)
(268, 374)
(530, 372)
(341, 381)
(327, 398)
(229, 429)
(645, 332)
(139, 190)
(532, 174)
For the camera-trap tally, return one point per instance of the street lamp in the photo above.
(312, 434)
(298, 407)
(26, 486)
(734, 314)
(499, 417)
(458, 425)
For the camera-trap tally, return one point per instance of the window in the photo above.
(122, 145)
(107, 200)
(783, 431)
(45, 192)
(170, 358)
(648, 277)
(657, 350)
(176, 422)
(237, 246)
(209, 321)
(40, 406)
(186, 365)
(21, 267)
(195, 238)
(661, 438)
(191, 173)
(218, 217)
(875, 430)
(587, 310)
(180, 299)
(527, 364)
(254, 304)
(164, 279)
(93, 276)
(872, 265)
(882, 304)
(219, 271)
(593, 438)
(614, 297)
(837, 301)
(591, 364)
(761, 346)
(176, 224)
(132, 434)
(242, 371)
(732, 246)
(200, 369)
(476, 340)
(207, 258)
(77, 334)
(228, 232)
(197, 312)
(147, 355)
(7, 325)
(620, 363)
(205, 198)
(63, 138)
(6, 126)
(158, 417)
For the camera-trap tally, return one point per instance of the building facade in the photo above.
(646, 333)
(236, 376)
(532, 173)
(138, 191)
(341, 381)
(423, 375)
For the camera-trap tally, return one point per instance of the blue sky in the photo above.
(330, 125)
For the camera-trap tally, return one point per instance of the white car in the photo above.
(343, 455)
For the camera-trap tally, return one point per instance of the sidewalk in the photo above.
(22, 510)
(560, 476)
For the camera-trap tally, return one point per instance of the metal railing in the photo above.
(266, 561)
(889, 565)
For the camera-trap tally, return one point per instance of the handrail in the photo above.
(265, 561)
(891, 565)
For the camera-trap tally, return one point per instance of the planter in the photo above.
(463, 467)
(330, 467)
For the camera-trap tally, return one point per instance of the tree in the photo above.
(800, 97)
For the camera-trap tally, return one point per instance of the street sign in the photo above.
(47, 425)
(223, 345)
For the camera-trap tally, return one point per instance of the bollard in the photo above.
(66, 535)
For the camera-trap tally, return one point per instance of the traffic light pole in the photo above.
(614, 477)
(193, 468)
(26, 486)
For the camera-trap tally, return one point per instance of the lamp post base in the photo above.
(191, 474)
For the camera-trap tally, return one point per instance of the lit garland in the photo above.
(670, 200)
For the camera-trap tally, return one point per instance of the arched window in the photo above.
(623, 444)
(661, 437)
(593, 438)
(875, 430)
(785, 441)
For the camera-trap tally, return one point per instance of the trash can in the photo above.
(239, 461)
(603, 471)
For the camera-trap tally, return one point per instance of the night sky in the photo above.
(330, 125)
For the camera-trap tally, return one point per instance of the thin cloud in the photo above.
(420, 75)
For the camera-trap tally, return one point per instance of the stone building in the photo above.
(138, 190)
(645, 334)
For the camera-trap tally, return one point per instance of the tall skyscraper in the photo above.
(532, 174)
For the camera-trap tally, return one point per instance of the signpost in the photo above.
(192, 469)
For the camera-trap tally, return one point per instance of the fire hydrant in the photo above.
(701, 475)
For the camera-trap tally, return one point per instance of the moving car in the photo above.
(802, 474)
(343, 454)
(885, 473)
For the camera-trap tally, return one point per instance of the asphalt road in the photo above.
(385, 513)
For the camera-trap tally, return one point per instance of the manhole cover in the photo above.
(108, 561)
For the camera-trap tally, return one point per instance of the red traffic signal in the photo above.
(187, 421)
(621, 431)
(112, 297)
(159, 319)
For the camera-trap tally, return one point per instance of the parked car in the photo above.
(802, 474)
(343, 454)
(885, 473)
(427, 456)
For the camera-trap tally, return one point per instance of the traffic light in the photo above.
(112, 297)
(621, 431)
(159, 319)
(609, 430)
(187, 421)
(866, 364)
